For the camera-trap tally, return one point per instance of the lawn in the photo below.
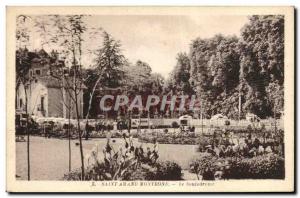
(49, 157)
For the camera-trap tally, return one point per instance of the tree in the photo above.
(181, 74)
(107, 71)
(42, 23)
(110, 60)
(275, 94)
(262, 60)
(22, 31)
(69, 35)
(225, 65)
(22, 68)
(214, 69)
(138, 77)
(157, 83)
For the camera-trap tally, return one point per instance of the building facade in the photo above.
(47, 96)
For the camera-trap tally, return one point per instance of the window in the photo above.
(38, 72)
(183, 122)
(42, 103)
(21, 103)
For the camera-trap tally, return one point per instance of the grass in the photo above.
(49, 157)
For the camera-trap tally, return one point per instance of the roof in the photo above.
(42, 53)
(184, 117)
(52, 82)
(100, 87)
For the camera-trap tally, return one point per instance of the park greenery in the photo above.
(225, 72)
(219, 70)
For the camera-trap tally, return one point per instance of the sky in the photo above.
(157, 39)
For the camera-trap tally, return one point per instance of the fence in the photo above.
(198, 123)
(268, 123)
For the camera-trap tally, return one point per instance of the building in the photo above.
(47, 96)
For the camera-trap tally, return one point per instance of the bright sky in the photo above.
(157, 39)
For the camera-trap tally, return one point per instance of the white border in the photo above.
(3, 3)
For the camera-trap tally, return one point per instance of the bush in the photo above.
(165, 171)
(227, 122)
(74, 175)
(206, 162)
(175, 124)
(204, 141)
(268, 166)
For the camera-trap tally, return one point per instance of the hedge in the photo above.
(267, 166)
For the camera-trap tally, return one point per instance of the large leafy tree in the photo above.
(108, 71)
(214, 71)
(110, 60)
(262, 61)
(262, 42)
(225, 65)
(138, 76)
(181, 74)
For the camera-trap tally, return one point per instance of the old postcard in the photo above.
(150, 99)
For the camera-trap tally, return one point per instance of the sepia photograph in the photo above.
(150, 99)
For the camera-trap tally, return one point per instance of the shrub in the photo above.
(128, 163)
(165, 171)
(227, 122)
(175, 124)
(138, 174)
(204, 141)
(206, 162)
(162, 171)
(268, 166)
(74, 175)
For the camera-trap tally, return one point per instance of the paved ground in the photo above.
(49, 157)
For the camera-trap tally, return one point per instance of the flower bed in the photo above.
(161, 171)
(127, 163)
(201, 139)
(169, 138)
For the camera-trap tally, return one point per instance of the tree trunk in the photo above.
(90, 102)
(275, 127)
(69, 137)
(80, 138)
(28, 136)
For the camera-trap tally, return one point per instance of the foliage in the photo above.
(165, 171)
(169, 138)
(110, 61)
(227, 122)
(180, 75)
(128, 163)
(268, 166)
(220, 69)
(162, 171)
(175, 124)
